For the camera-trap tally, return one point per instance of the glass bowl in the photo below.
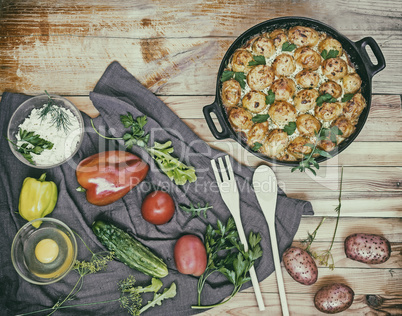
(67, 140)
(46, 254)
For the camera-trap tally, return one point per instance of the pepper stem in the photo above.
(42, 177)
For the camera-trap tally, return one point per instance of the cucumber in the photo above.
(129, 250)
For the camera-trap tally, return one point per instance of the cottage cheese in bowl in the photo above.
(45, 131)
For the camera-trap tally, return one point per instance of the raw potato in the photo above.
(367, 248)
(334, 298)
(300, 265)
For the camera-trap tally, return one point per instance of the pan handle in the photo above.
(361, 47)
(208, 109)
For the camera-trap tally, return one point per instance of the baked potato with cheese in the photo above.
(282, 112)
(351, 83)
(240, 119)
(284, 65)
(305, 100)
(307, 79)
(334, 68)
(240, 61)
(231, 92)
(332, 88)
(254, 101)
(307, 58)
(260, 77)
(284, 89)
(303, 36)
(276, 143)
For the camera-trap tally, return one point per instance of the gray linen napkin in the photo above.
(118, 92)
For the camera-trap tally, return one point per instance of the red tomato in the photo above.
(190, 255)
(158, 208)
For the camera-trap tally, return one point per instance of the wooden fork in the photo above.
(230, 195)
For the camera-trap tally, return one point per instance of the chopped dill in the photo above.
(58, 116)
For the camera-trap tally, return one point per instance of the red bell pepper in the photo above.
(110, 175)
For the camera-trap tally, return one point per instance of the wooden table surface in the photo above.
(175, 49)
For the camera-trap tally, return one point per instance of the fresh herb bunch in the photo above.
(225, 254)
(130, 295)
(58, 116)
(308, 162)
(240, 77)
(161, 153)
(34, 144)
(196, 210)
(325, 256)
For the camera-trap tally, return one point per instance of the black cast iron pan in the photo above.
(356, 52)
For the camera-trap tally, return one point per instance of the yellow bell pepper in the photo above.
(37, 198)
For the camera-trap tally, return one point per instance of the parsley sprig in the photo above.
(161, 153)
(270, 98)
(331, 54)
(290, 128)
(225, 254)
(34, 144)
(325, 98)
(288, 47)
(257, 60)
(256, 146)
(260, 118)
(347, 97)
(240, 77)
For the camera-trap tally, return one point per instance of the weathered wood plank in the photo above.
(342, 262)
(147, 19)
(354, 204)
(167, 66)
(390, 228)
(357, 154)
(379, 281)
(190, 107)
(303, 304)
(375, 129)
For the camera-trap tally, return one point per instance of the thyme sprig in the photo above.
(325, 258)
(310, 239)
(308, 162)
